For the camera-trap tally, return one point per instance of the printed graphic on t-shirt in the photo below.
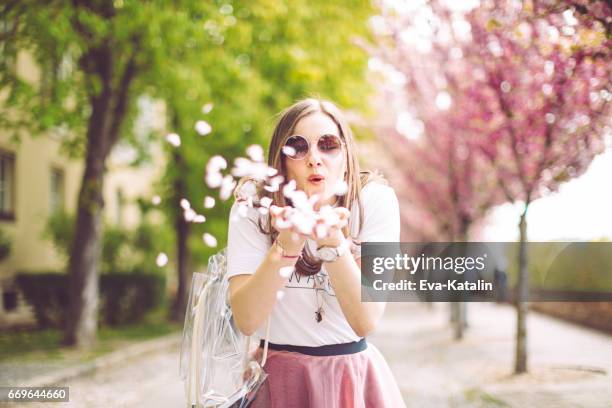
(319, 282)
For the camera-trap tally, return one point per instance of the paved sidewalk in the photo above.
(36, 374)
(569, 366)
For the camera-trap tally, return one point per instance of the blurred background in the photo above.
(491, 120)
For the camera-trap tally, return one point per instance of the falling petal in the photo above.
(321, 231)
(198, 219)
(280, 295)
(289, 188)
(263, 210)
(156, 200)
(202, 127)
(207, 108)
(271, 172)
(214, 180)
(314, 199)
(289, 151)
(255, 152)
(173, 139)
(329, 216)
(286, 271)
(209, 240)
(265, 202)
(227, 187)
(161, 260)
(303, 222)
(275, 210)
(185, 204)
(282, 223)
(340, 188)
(209, 202)
(189, 215)
(246, 168)
(216, 163)
(275, 183)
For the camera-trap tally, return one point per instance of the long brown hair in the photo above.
(308, 264)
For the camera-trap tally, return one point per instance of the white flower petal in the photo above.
(321, 231)
(286, 271)
(161, 260)
(216, 163)
(202, 127)
(173, 139)
(199, 219)
(303, 222)
(227, 187)
(185, 204)
(289, 188)
(214, 180)
(207, 108)
(209, 202)
(209, 240)
(280, 295)
(340, 188)
(189, 215)
(255, 152)
(289, 151)
(265, 202)
(156, 200)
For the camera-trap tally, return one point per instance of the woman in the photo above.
(318, 356)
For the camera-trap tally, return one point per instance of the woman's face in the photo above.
(321, 159)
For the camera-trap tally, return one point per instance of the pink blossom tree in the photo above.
(526, 92)
(448, 182)
(546, 79)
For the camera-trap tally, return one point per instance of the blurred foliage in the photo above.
(123, 250)
(124, 298)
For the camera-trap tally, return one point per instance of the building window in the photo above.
(57, 190)
(7, 186)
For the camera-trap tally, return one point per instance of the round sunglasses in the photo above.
(296, 147)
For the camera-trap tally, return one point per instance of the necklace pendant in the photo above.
(319, 315)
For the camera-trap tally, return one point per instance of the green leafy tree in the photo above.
(260, 57)
(96, 58)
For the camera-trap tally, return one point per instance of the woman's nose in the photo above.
(314, 158)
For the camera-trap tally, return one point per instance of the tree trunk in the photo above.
(86, 246)
(183, 229)
(108, 109)
(459, 307)
(520, 365)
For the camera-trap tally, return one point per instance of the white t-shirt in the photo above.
(293, 317)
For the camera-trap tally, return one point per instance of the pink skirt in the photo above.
(297, 380)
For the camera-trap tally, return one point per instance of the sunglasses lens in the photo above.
(296, 147)
(329, 144)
